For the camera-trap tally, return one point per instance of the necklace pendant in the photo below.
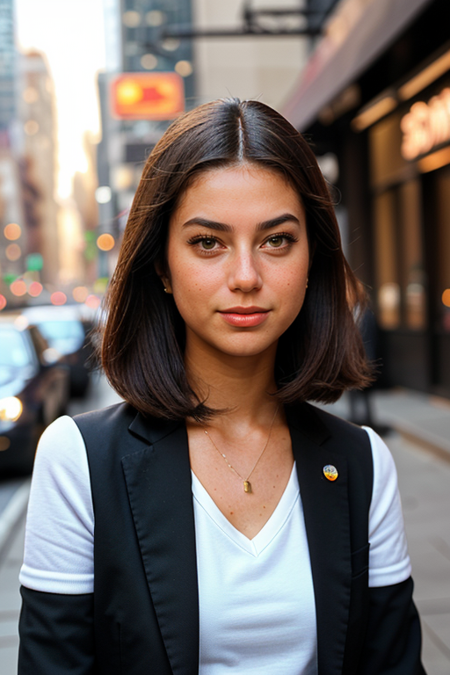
(247, 486)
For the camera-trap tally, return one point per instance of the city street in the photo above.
(424, 479)
(13, 500)
(318, 134)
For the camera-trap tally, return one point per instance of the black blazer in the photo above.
(142, 618)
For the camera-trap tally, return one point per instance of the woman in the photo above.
(232, 519)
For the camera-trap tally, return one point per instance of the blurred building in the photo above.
(375, 98)
(7, 65)
(36, 113)
(133, 45)
(12, 241)
(83, 190)
(72, 266)
(252, 66)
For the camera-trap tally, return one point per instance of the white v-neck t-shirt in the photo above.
(257, 611)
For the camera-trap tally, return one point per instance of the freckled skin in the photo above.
(244, 268)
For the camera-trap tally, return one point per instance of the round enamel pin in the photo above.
(330, 472)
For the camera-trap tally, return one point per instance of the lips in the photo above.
(245, 317)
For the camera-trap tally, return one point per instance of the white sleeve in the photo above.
(59, 535)
(388, 554)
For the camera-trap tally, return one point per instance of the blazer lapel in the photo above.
(158, 481)
(326, 513)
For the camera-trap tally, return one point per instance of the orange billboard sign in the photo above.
(147, 96)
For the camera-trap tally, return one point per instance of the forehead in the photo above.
(234, 190)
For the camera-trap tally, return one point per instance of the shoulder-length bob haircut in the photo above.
(318, 357)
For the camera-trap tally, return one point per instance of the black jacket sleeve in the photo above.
(56, 634)
(393, 640)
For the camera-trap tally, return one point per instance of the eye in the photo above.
(281, 240)
(204, 243)
(276, 241)
(208, 243)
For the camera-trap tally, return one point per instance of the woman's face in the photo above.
(237, 260)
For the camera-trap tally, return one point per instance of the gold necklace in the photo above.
(245, 481)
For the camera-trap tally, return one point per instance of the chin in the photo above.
(245, 350)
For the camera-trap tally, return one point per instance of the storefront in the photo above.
(389, 128)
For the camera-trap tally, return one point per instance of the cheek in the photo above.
(187, 279)
(290, 287)
(193, 285)
(291, 280)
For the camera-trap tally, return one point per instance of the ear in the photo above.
(164, 276)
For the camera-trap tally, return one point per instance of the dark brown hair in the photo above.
(318, 357)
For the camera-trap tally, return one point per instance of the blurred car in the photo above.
(34, 390)
(65, 331)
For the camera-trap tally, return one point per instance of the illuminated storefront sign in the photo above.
(426, 126)
(148, 96)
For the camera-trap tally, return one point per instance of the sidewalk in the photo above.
(423, 423)
(422, 419)
(10, 564)
(420, 444)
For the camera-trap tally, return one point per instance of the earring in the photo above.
(165, 290)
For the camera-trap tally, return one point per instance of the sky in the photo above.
(70, 34)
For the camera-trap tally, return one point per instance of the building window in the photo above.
(442, 250)
(386, 255)
(411, 255)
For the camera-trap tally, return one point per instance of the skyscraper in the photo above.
(7, 64)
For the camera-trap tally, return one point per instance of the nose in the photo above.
(244, 274)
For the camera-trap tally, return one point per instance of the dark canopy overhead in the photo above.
(357, 33)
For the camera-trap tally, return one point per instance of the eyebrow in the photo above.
(223, 227)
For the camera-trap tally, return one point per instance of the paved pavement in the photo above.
(420, 445)
(10, 564)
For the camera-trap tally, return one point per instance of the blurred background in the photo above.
(87, 88)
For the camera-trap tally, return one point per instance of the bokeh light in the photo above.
(34, 262)
(446, 297)
(170, 44)
(31, 127)
(12, 231)
(131, 19)
(30, 95)
(92, 301)
(13, 252)
(4, 443)
(105, 242)
(35, 289)
(3, 302)
(100, 285)
(80, 293)
(183, 68)
(58, 298)
(155, 18)
(149, 61)
(18, 287)
(103, 193)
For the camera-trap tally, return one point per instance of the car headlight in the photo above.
(10, 409)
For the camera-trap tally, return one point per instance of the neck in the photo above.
(241, 385)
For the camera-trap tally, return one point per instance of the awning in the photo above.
(357, 33)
